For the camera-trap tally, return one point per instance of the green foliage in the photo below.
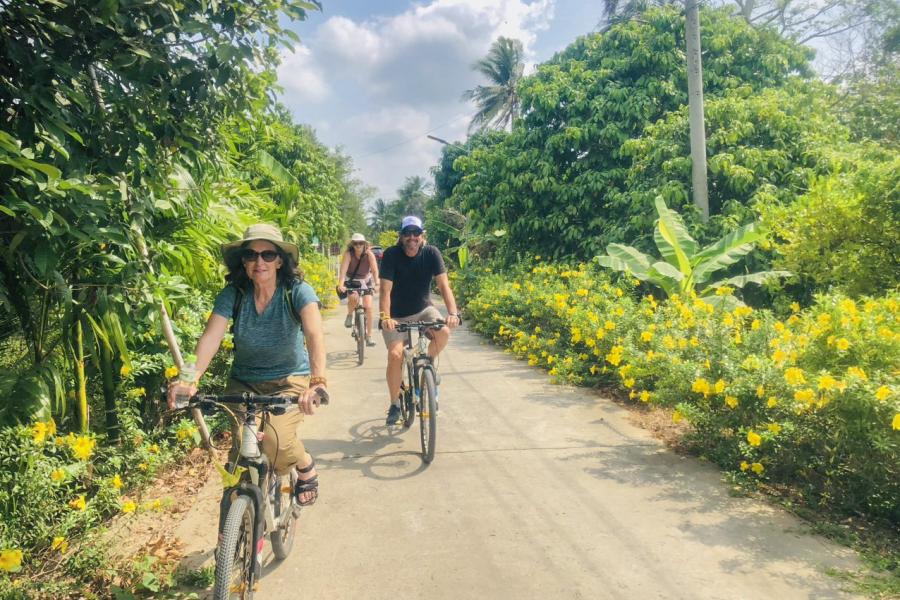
(811, 402)
(763, 148)
(687, 268)
(844, 233)
(552, 182)
(498, 102)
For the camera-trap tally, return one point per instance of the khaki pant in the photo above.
(281, 442)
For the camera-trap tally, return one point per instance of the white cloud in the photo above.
(301, 78)
(390, 80)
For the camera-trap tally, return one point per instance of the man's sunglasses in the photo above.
(412, 233)
(250, 256)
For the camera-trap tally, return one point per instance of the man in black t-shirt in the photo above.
(406, 273)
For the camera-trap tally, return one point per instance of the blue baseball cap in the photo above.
(411, 223)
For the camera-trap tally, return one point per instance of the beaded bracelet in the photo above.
(318, 380)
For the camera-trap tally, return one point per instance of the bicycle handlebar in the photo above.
(247, 398)
(420, 325)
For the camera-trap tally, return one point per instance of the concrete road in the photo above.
(536, 491)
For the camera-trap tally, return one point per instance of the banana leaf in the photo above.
(672, 238)
(727, 251)
(626, 259)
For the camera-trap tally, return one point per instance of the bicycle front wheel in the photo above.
(236, 553)
(285, 517)
(407, 402)
(360, 336)
(428, 413)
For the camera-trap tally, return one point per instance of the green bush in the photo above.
(810, 401)
(845, 233)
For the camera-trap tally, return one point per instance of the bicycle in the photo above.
(418, 388)
(358, 330)
(259, 503)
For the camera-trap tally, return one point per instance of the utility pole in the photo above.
(695, 106)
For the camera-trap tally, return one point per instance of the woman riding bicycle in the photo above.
(358, 275)
(275, 352)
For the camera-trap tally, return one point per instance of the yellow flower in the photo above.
(774, 428)
(171, 372)
(701, 386)
(842, 344)
(78, 503)
(125, 371)
(645, 396)
(724, 290)
(757, 468)
(804, 395)
(143, 466)
(227, 344)
(83, 447)
(11, 560)
(731, 401)
(857, 372)
(39, 432)
(117, 481)
(629, 383)
(676, 417)
(646, 336)
(779, 356)
(128, 506)
(755, 324)
(896, 422)
(795, 307)
(669, 342)
(848, 306)
(794, 376)
(827, 382)
(760, 391)
(883, 393)
(153, 449)
(619, 292)
(744, 465)
(59, 543)
(609, 325)
(720, 386)
(57, 475)
(581, 292)
(772, 402)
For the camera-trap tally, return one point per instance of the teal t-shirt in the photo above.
(270, 345)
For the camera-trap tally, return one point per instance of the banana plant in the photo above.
(686, 268)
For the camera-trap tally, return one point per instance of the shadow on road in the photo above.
(364, 451)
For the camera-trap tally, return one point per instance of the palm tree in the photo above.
(498, 103)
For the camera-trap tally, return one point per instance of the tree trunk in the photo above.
(109, 392)
(695, 104)
(81, 402)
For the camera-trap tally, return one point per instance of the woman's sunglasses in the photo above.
(250, 256)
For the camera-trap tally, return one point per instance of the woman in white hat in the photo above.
(278, 343)
(358, 276)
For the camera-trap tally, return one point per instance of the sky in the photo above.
(374, 77)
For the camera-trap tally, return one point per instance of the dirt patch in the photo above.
(655, 419)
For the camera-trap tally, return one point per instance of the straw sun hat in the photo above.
(263, 231)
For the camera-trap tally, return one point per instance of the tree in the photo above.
(555, 184)
(498, 103)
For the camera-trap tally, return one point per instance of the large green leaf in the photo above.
(725, 252)
(672, 238)
(275, 169)
(758, 278)
(627, 259)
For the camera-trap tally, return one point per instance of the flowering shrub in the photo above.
(811, 400)
(317, 273)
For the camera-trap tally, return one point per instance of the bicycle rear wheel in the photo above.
(285, 517)
(360, 336)
(428, 413)
(236, 553)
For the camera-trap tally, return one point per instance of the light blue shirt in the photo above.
(270, 345)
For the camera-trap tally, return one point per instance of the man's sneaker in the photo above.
(348, 322)
(393, 415)
(370, 342)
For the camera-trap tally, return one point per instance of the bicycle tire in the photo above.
(360, 336)
(407, 401)
(428, 414)
(285, 518)
(237, 545)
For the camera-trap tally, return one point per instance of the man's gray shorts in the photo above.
(429, 314)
